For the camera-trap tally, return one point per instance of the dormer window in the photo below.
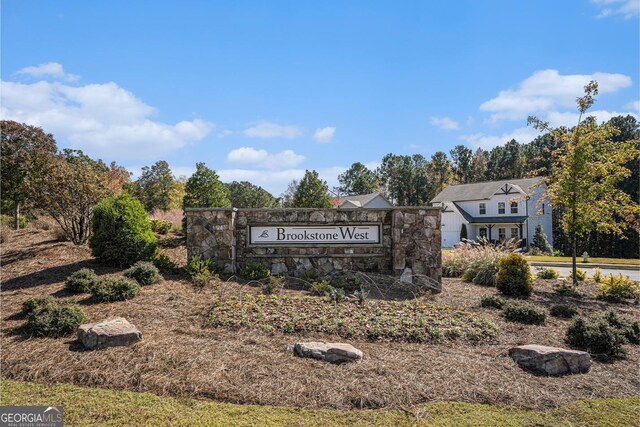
(483, 209)
(514, 207)
(501, 208)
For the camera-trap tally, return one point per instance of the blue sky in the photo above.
(261, 91)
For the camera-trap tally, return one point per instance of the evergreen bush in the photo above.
(524, 312)
(50, 317)
(604, 333)
(121, 232)
(617, 288)
(514, 276)
(81, 281)
(144, 272)
(115, 289)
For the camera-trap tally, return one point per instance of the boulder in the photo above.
(550, 360)
(108, 333)
(327, 351)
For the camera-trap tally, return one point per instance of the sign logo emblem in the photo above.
(264, 235)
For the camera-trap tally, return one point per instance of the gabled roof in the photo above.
(484, 190)
(358, 200)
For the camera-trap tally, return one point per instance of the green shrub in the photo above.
(32, 303)
(562, 310)
(81, 281)
(163, 262)
(202, 278)
(50, 317)
(115, 289)
(514, 276)
(629, 328)
(581, 275)
(201, 271)
(273, 286)
(494, 301)
(597, 275)
(160, 226)
(547, 273)
(9, 220)
(321, 288)
(603, 334)
(199, 265)
(144, 272)
(524, 312)
(121, 232)
(348, 283)
(616, 288)
(256, 271)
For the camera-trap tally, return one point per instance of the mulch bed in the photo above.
(179, 356)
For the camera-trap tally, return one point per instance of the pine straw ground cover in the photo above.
(374, 320)
(181, 358)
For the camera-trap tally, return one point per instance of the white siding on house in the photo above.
(473, 206)
(537, 217)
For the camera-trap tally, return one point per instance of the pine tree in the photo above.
(463, 232)
(312, 192)
(540, 240)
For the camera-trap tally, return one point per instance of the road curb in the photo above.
(586, 265)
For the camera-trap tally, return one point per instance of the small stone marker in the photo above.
(406, 276)
(550, 360)
(108, 333)
(330, 352)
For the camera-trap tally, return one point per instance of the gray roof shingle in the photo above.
(481, 190)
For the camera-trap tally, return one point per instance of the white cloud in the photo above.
(547, 90)
(444, 123)
(103, 120)
(480, 140)
(50, 69)
(633, 105)
(272, 130)
(247, 156)
(324, 135)
(224, 133)
(262, 158)
(627, 8)
(569, 119)
(276, 181)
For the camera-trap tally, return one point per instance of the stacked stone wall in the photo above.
(409, 241)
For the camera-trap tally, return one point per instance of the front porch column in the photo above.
(489, 227)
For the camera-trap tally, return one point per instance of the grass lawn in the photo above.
(91, 406)
(565, 259)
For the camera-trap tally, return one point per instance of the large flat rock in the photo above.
(327, 351)
(550, 360)
(108, 333)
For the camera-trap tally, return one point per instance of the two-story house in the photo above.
(496, 210)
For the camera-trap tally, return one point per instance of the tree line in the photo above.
(68, 184)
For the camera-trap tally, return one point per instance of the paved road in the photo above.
(566, 271)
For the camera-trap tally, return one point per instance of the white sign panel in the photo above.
(293, 235)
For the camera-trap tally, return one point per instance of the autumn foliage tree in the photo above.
(70, 190)
(25, 153)
(587, 168)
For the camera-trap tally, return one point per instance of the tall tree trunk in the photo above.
(17, 215)
(574, 249)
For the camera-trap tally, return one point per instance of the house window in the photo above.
(483, 232)
(514, 232)
(501, 207)
(483, 209)
(514, 207)
(502, 233)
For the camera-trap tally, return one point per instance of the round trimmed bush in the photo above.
(595, 335)
(121, 232)
(49, 317)
(81, 281)
(514, 276)
(144, 272)
(115, 289)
